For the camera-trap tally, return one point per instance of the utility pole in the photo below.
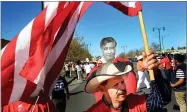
(123, 47)
(163, 40)
(161, 28)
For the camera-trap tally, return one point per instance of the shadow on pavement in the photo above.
(69, 82)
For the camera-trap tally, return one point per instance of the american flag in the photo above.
(32, 61)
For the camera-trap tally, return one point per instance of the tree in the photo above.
(122, 55)
(172, 48)
(132, 53)
(4, 42)
(78, 50)
(181, 48)
(154, 46)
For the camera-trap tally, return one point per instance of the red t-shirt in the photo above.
(136, 103)
(43, 105)
(167, 63)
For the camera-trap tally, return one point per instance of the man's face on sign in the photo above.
(109, 51)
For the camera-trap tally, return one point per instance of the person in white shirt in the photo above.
(79, 71)
(66, 70)
(87, 68)
(92, 65)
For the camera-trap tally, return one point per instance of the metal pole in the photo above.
(162, 28)
(162, 43)
(159, 39)
(163, 40)
(124, 49)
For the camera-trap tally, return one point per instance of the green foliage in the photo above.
(133, 53)
(154, 46)
(4, 42)
(172, 48)
(78, 50)
(181, 48)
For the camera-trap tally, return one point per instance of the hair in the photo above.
(179, 57)
(164, 55)
(107, 40)
(104, 83)
(78, 62)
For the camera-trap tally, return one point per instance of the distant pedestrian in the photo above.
(67, 71)
(59, 94)
(92, 65)
(82, 67)
(79, 71)
(87, 68)
(166, 65)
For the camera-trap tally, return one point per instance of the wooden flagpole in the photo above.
(146, 47)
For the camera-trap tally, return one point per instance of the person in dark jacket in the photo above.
(59, 94)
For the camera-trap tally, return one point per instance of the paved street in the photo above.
(80, 101)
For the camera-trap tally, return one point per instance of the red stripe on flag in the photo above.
(39, 41)
(29, 88)
(67, 14)
(134, 11)
(129, 11)
(35, 64)
(49, 32)
(85, 6)
(7, 71)
(56, 69)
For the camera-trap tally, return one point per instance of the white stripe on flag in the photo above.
(51, 12)
(56, 51)
(56, 34)
(21, 56)
(47, 3)
(67, 3)
(129, 4)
